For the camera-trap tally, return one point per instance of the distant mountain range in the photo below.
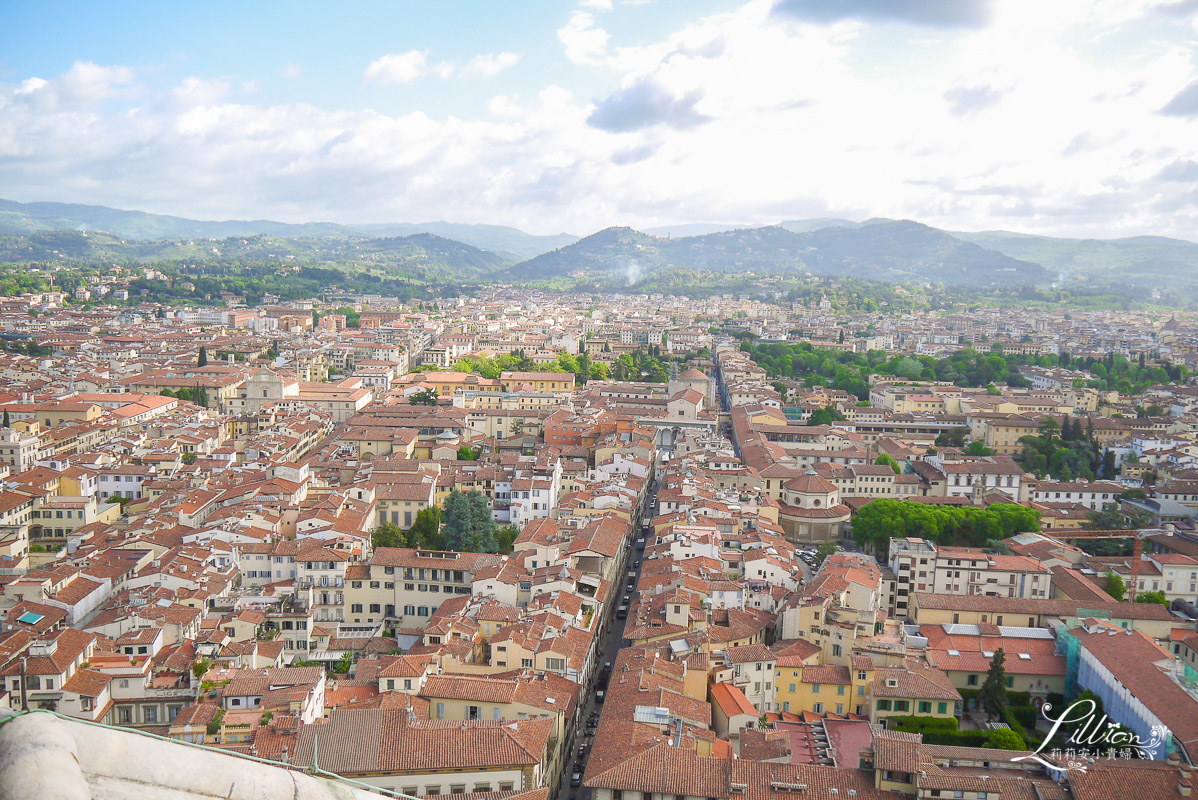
(887, 250)
(877, 249)
(20, 218)
(422, 255)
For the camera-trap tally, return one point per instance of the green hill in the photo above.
(422, 256)
(882, 250)
(21, 218)
(1135, 257)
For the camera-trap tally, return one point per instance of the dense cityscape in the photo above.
(599, 400)
(523, 543)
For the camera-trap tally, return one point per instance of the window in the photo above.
(355, 608)
(818, 708)
(390, 684)
(150, 714)
(840, 690)
(925, 707)
(942, 708)
(440, 711)
(972, 680)
(376, 608)
(883, 705)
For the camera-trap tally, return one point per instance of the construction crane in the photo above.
(1137, 537)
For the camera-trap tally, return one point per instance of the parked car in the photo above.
(600, 696)
(576, 778)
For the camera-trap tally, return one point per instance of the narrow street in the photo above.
(612, 642)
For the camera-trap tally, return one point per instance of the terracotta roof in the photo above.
(1132, 659)
(1058, 607)
(355, 741)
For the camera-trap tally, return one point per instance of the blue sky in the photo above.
(1076, 117)
(332, 44)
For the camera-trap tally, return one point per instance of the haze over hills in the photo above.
(19, 218)
(421, 255)
(885, 250)
(1143, 256)
(878, 249)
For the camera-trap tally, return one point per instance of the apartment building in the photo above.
(921, 566)
(404, 587)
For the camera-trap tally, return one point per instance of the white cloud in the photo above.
(596, 5)
(200, 92)
(292, 71)
(585, 44)
(411, 66)
(398, 67)
(740, 116)
(488, 65)
(503, 106)
(31, 85)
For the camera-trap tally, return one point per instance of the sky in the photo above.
(1059, 117)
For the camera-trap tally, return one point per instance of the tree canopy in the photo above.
(849, 371)
(1114, 586)
(994, 690)
(640, 366)
(825, 416)
(424, 397)
(885, 459)
(469, 525)
(880, 519)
